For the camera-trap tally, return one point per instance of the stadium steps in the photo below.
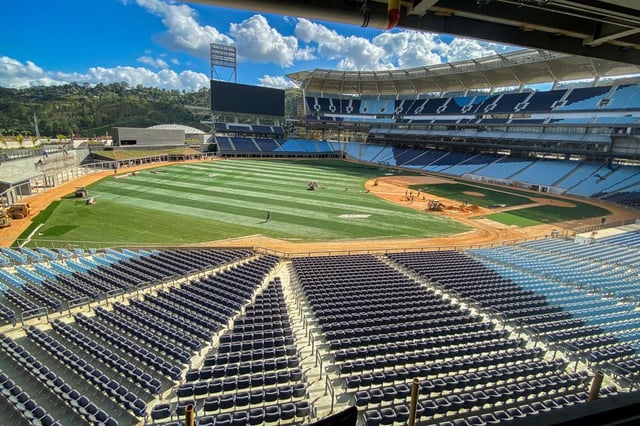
(582, 180)
(632, 178)
(521, 170)
(256, 145)
(279, 148)
(462, 162)
(479, 171)
(565, 177)
(301, 314)
(375, 157)
(297, 308)
(437, 159)
(414, 158)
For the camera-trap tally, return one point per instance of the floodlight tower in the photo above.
(223, 56)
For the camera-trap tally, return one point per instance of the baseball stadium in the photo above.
(443, 245)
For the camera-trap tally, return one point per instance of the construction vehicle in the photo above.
(81, 192)
(18, 210)
(5, 220)
(13, 211)
(434, 206)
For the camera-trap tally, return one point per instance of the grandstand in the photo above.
(121, 336)
(500, 333)
(467, 120)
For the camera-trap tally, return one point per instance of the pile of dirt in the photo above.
(471, 208)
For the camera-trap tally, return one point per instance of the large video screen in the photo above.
(245, 99)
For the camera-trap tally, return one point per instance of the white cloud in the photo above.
(306, 53)
(408, 49)
(14, 73)
(254, 38)
(184, 33)
(352, 52)
(258, 41)
(390, 50)
(153, 62)
(461, 49)
(275, 81)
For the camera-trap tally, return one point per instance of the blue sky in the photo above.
(165, 44)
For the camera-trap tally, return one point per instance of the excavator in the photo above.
(434, 206)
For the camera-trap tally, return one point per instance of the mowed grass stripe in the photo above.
(331, 169)
(134, 224)
(339, 202)
(249, 219)
(248, 213)
(375, 202)
(385, 219)
(182, 204)
(239, 182)
(277, 176)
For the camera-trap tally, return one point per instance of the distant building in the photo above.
(163, 135)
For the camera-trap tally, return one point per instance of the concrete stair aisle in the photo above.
(316, 360)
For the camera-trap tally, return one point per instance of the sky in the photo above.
(165, 44)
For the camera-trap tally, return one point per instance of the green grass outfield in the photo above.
(514, 197)
(548, 214)
(224, 199)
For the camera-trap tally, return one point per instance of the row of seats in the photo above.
(242, 368)
(155, 312)
(129, 346)
(108, 357)
(254, 397)
(81, 404)
(107, 385)
(412, 340)
(167, 330)
(254, 416)
(337, 339)
(247, 356)
(28, 408)
(487, 364)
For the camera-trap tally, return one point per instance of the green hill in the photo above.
(86, 110)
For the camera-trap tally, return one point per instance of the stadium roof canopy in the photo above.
(187, 129)
(606, 29)
(522, 67)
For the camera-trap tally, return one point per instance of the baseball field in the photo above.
(228, 199)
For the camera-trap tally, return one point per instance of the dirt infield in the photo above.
(473, 193)
(390, 188)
